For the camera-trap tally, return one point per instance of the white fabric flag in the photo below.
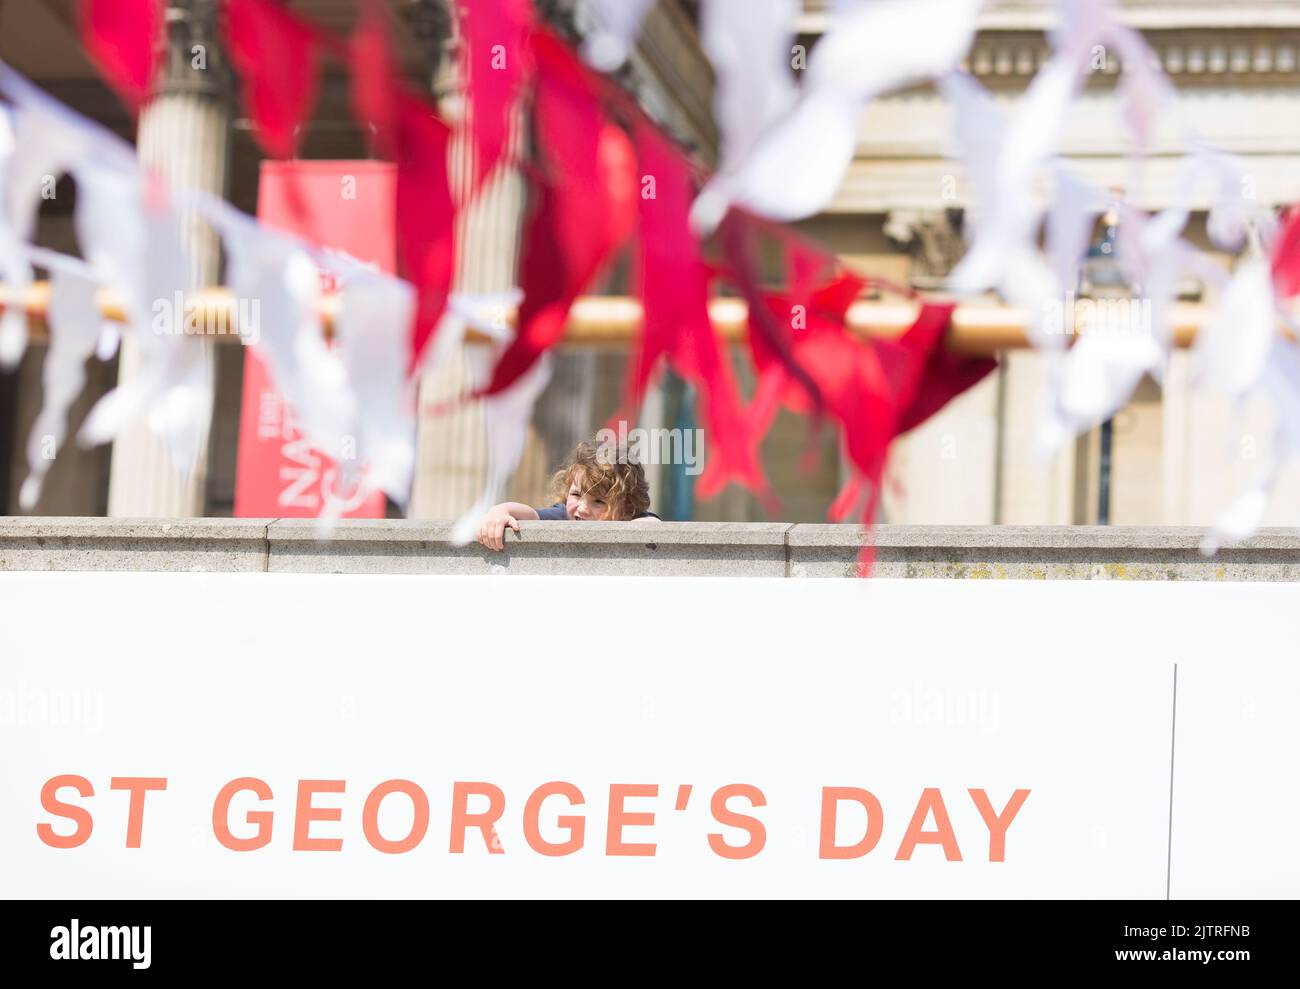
(749, 44)
(131, 236)
(1005, 161)
(280, 274)
(616, 24)
(74, 320)
(1071, 217)
(1235, 208)
(1279, 385)
(1233, 348)
(13, 328)
(39, 142)
(799, 162)
(372, 329)
(505, 416)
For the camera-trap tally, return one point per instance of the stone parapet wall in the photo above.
(722, 549)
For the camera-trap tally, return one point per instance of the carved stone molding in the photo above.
(1195, 40)
(193, 58)
(1245, 55)
(933, 239)
(1146, 15)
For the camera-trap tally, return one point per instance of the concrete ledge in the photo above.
(665, 549)
(765, 549)
(37, 543)
(1028, 552)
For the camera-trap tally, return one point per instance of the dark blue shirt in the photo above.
(558, 513)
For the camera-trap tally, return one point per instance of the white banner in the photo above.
(213, 735)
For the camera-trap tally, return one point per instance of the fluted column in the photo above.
(184, 135)
(451, 447)
(451, 456)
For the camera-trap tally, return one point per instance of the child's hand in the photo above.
(492, 533)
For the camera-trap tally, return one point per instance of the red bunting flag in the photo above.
(374, 78)
(770, 334)
(675, 296)
(873, 389)
(1286, 256)
(124, 38)
(426, 216)
(276, 54)
(408, 131)
(583, 208)
(495, 64)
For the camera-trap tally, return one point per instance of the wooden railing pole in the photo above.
(978, 328)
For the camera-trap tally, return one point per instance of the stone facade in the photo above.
(1178, 456)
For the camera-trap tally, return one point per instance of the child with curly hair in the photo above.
(599, 484)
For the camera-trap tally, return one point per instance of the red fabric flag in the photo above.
(770, 333)
(583, 210)
(874, 389)
(123, 38)
(675, 295)
(426, 217)
(943, 374)
(495, 59)
(1286, 256)
(276, 54)
(408, 131)
(374, 78)
(925, 376)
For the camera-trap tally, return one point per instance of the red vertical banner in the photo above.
(347, 206)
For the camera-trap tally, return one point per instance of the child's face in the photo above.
(584, 507)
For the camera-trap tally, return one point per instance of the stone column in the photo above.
(184, 134)
(451, 455)
(451, 449)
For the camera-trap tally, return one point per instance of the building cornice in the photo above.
(1189, 56)
(1041, 15)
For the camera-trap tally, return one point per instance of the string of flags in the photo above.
(787, 140)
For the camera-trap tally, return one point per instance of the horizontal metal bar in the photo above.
(978, 328)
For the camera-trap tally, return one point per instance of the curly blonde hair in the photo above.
(608, 473)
